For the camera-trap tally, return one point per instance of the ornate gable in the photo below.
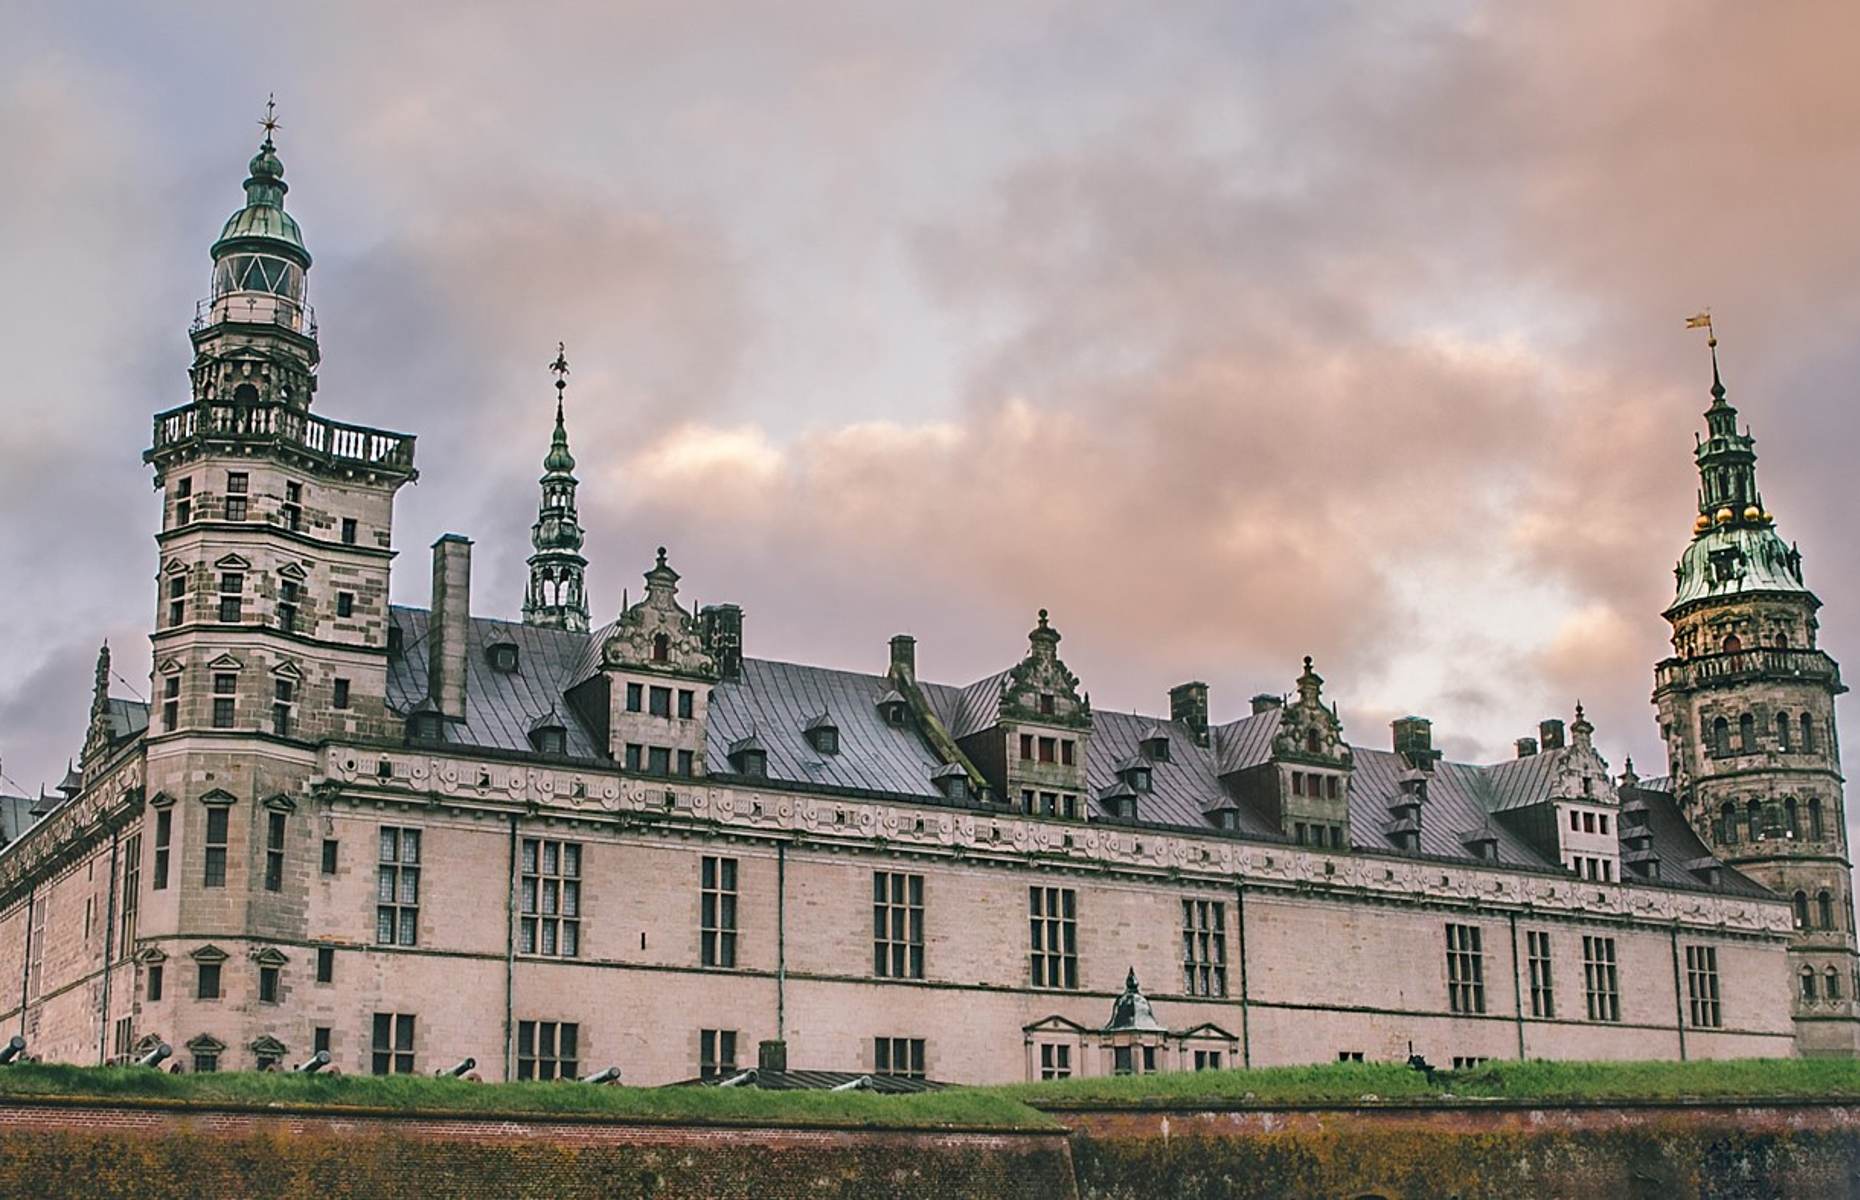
(1040, 688)
(1309, 730)
(1581, 773)
(658, 634)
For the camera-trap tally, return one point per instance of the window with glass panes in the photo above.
(1465, 969)
(1207, 1060)
(717, 912)
(716, 1053)
(897, 925)
(1537, 955)
(171, 703)
(177, 598)
(232, 597)
(1599, 981)
(397, 888)
(1702, 986)
(393, 1044)
(1204, 947)
(238, 486)
(283, 693)
(214, 868)
(164, 837)
(898, 1056)
(551, 898)
(1053, 932)
(1055, 1060)
(274, 851)
(548, 1050)
(225, 694)
(132, 893)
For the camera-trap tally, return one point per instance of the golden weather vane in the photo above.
(1702, 320)
(270, 120)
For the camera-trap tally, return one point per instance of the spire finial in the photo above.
(1702, 320)
(560, 369)
(270, 120)
(1307, 664)
(661, 556)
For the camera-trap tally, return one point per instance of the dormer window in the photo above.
(502, 656)
(426, 727)
(548, 735)
(749, 757)
(1155, 746)
(1135, 772)
(952, 781)
(893, 708)
(823, 735)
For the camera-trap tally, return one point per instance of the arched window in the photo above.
(1814, 818)
(1732, 643)
(1747, 734)
(1824, 908)
(1782, 731)
(661, 647)
(1808, 984)
(1721, 737)
(1756, 820)
(1789, 811)
(1801, 910)
(1808, 735)
(1311, 741)
(1832, 980)
(1728, 825)
(245, 393)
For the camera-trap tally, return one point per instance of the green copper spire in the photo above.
(263, 225)
(557, 596)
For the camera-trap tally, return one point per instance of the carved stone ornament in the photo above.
(1042, 674)
(658, 634)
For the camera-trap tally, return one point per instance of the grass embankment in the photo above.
(1547, 1081)
(1012, 1107)
(957, 1107)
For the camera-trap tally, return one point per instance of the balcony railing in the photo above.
(1765, 662)
(255, 308)
(272, 423)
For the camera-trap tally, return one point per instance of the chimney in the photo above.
(904, 655)
(1550, 734)
(771, 1055)
(448, 629)
(721, 628)
(1414, 740)
(1188, 705)
(1527, 747)
(1266, 702)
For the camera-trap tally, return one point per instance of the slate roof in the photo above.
(775, 703)
(127, 718)
(15, 817)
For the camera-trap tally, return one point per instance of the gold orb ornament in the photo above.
(1753, 513)
(1722, 516)
(1702, 524)
(1767, 518)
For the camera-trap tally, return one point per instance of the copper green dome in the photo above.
(263, 225)
(559, 461)
(1736, 560)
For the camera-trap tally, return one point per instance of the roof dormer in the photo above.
(748, 756)
(822, 734)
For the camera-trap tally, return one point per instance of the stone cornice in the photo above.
(72, 828)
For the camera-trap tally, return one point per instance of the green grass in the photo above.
(956, 1107)
(1550, 1081)
(1015, 1106)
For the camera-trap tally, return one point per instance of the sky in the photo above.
(1228, 333)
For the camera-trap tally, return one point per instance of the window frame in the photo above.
(718, 880)
(1052, 922)
(1465, 969)
(549, 911)
(897, 925)
(1204, 947)
(397, 875)
(391, 1046)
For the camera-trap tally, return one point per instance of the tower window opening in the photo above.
(292, 511)
(1801, 910)
(1782, 731)
(661, 647)
(1732, 643)
(1808, 984)
(1755, 813)
(287, 606)
(1747, 734)
(348, 531)
(1727, 824)
(238, 482)
(1789, 814)
(1808, 735)
(1824, 908)
(1721, 737)
(1815, 829)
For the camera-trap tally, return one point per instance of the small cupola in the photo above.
(951, 780)
(822, 734)
(1155, 745)
(894, 708)
(749, 757)
(549, 734)
(1135, 772)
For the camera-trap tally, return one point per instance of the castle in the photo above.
(408, 836)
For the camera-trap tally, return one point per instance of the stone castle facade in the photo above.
(411, 836)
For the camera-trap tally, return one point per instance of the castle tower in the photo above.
(1746, 707)
(557, 597)
(271, 623)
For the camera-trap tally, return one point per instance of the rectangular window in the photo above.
(1599, 982)
(348, 531)
(635, 754)
(274, 852)
(1349, 1056)
(183, 502)
(325, 964)
(132, 894)
(397, 888)
(345, 604)
(268, 985)
(171, 703)
(225, 693)
(238, 484)
(1702, 986)
(1207, 1060)
(393, 1044)
(1047, 750)
(1465, 969)
(218, 818)
(164, 834)
(207, 981)
(903, 1057)
(1204, 947)
(206, 1062)
(287, 605)
(293, 507)
(686, 699)
(1068, 752)
(897, 925)
(717, 915)
(658, 760)
(635, 697)
(1543, 992)
(716, 1053)
(659, 702)
(177, 599)
(282, 692)
(548, 1050)
(551, 898)
(232, 592)
(330, 848)
(319, 1039)
(1053, 929)
(155, 973)
(1055, 1061)
(686, 763)
(1026, 747)
(339, 694)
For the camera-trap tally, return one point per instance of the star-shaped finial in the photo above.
(270, 120)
